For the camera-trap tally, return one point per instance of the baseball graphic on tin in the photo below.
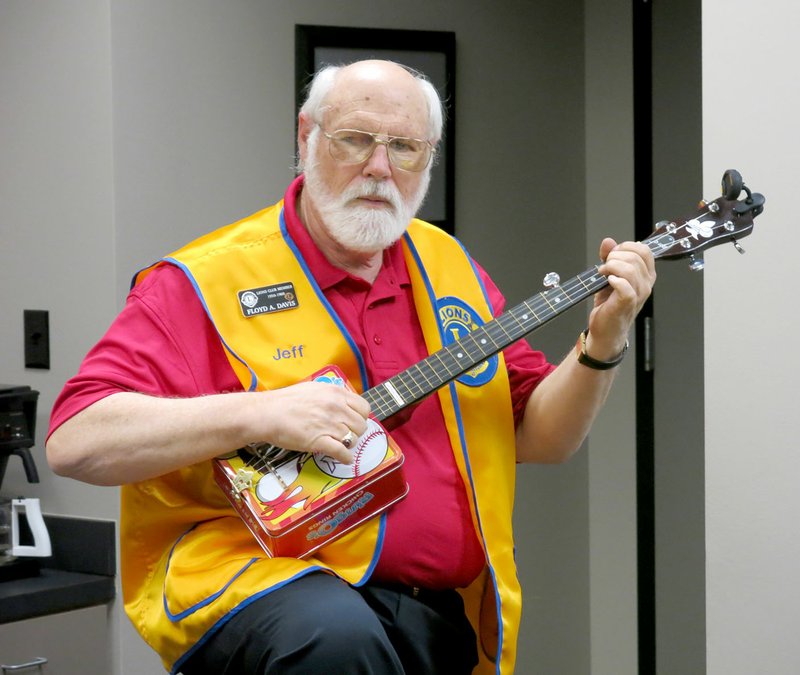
(368, 452)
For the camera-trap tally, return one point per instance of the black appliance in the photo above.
(17, 436)
(18, 428)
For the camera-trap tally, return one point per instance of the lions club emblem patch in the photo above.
(457, 320)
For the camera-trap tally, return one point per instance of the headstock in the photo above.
(726, 219)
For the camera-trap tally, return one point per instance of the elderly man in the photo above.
(184, 376)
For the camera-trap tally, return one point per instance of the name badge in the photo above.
(267, 299)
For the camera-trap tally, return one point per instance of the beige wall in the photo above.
(750, 100)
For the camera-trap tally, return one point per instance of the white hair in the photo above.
(325, 78)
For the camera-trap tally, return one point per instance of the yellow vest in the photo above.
(188, 560)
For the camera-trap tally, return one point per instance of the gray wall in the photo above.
(611, 451)
(143, 124)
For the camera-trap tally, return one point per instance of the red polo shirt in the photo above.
(162, 343)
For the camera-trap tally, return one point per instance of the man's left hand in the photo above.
(631, 273)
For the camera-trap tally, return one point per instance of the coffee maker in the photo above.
(23, 542)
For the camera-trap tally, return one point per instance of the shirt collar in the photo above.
(393, 270)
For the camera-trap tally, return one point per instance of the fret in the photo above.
(410, 383)
(426, 371)
(378, 401)
(396, 397)
(552, 298)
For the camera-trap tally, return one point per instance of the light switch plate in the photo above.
(37, 338)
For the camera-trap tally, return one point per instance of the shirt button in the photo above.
(377, 339)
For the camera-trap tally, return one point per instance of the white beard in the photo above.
(355, 226)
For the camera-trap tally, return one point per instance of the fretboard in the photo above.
(445, 365)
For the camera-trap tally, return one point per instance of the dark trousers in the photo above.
(319, 624)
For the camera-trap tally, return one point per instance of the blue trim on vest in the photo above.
(180, 616)
(378, 549)
(136, 276)
(462, 439)
(362, 367)
(428, 286)
(193, 281)
(176, 667)
(477, 276)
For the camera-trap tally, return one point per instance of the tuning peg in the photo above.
(737, 246)
(705, 204)
(732, 184)
(696, 264)
(551, 280)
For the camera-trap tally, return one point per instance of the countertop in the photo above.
(80, 573)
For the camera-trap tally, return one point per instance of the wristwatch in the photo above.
(588, 361)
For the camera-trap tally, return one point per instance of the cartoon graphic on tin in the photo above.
(298, 480)
(296, 502)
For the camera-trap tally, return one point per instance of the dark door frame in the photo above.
(645, 419)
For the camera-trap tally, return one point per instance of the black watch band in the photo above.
(588, 361)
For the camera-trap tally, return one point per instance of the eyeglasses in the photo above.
(353, 147)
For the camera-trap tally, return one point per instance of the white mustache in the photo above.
(374, 188)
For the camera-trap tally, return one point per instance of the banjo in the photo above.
(295, 502)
